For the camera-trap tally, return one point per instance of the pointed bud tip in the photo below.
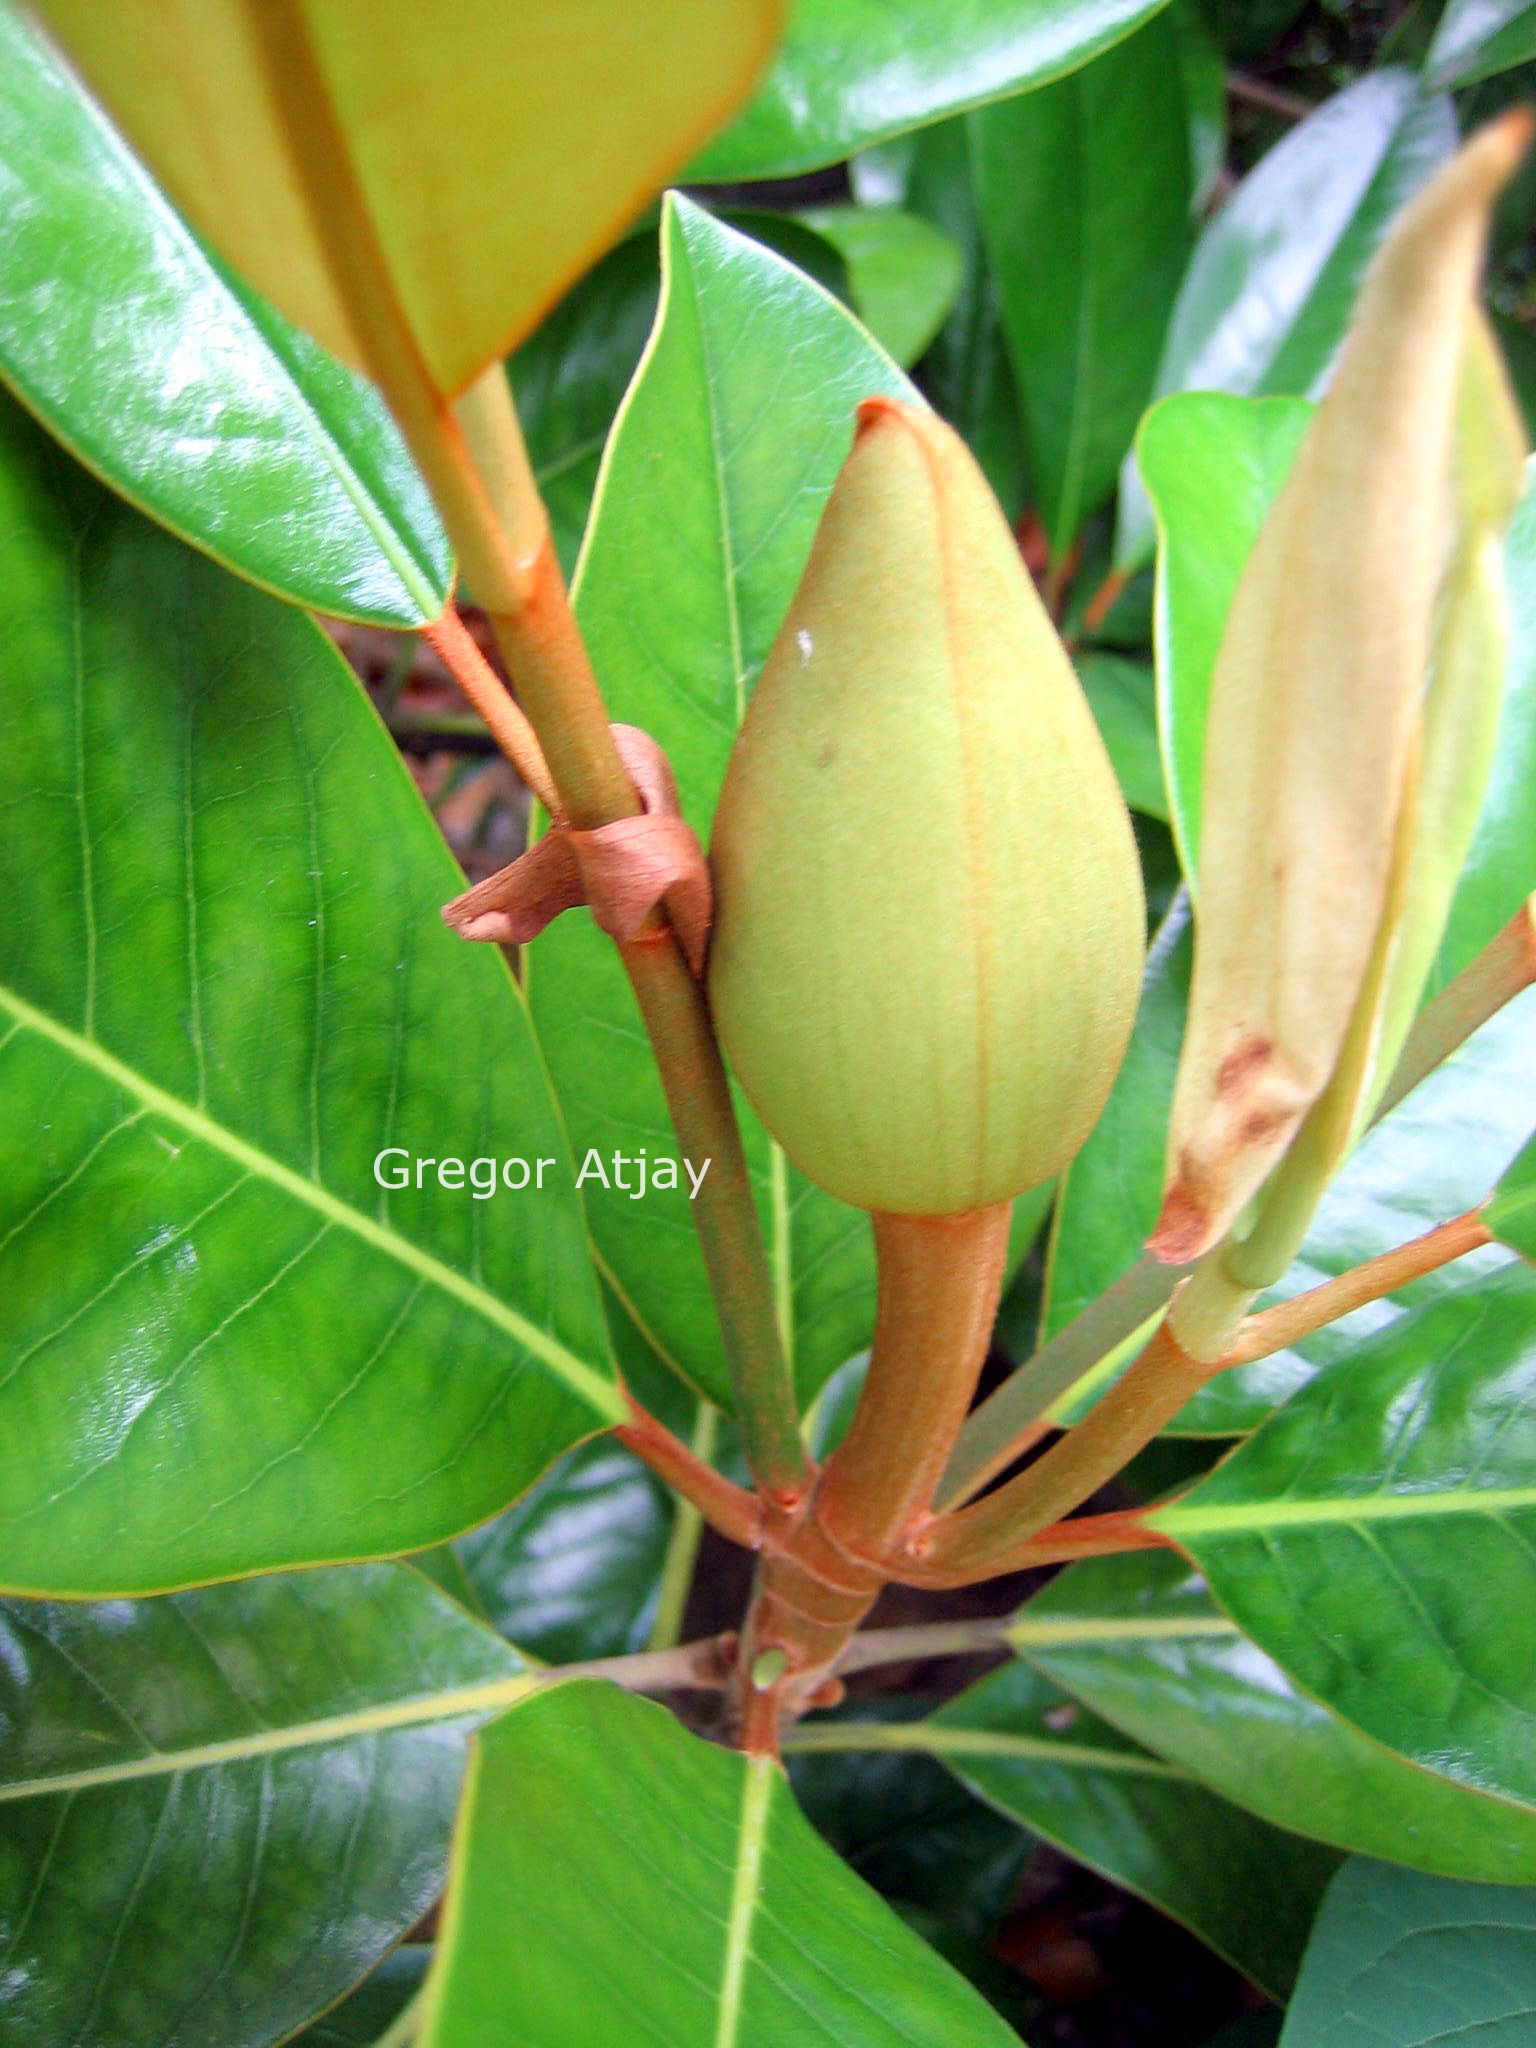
(1183, 1230)
(1504, 142)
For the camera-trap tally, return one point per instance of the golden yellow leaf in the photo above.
(415, 174)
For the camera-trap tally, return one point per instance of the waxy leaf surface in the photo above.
(851, 72)
(178, 385)
(716, 474)
(1031, 1751)
(1083, 193)
(903, 272)
(666, 1889)
(1273, 279)
(1401, 1960)
(1376, 1534)
(1141, 1642)
(221, 1808)
(224, 989)
(387, 189)
(1478, 37)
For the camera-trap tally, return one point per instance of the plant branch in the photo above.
(1108, 1535)
(455, 648)
(1274, 1329)
(1136, 1407)
(735, 1513)
(1505, 967)
(1255, 92)
(872, 1647)
(702, 1666)
(477, 466)
(1103, 600)
(939, 1282)
(1009, 1421)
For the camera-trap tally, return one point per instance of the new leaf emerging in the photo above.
(1317, 720)
(929, 918)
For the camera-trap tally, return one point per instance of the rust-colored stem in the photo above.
(1103, 601)
(939, 1282)
(1273, 1329)
(1505, 967)
(1062, 1543)
(735, 1513)
(455, 648)
(1148, 1397)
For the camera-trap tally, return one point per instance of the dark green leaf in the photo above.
(1376, 1535)
(570, 374)
(1140, 1640)
(668, 1890)
(851, 72)
(1478, 37)
(224, 985)
(222, 1807)
(1400, 1960)
(1083, 190)
(720, 463)
(1036, 1755)
(904, 273)
(572, 1569)
(178, 385)
(1120, 695)
(1204, 75)
(966, 370)
(1272, 282)
(361, 2020)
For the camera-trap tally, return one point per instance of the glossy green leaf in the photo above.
(717, 471)
(1271, 284)
(572, 1569)
(1083, 191)
(1401, 1960)
(1376, 1534)
(852, 72)
(1141, 1642)
(1479, 37)
(1034, 1754)
(1211, 465)
(669, 1890)
(1120, 695)
(903, 272)
(221, 1808)
(223, 985)
(383, 181)
(1511, 1215)
(570, 374)
(178, 385)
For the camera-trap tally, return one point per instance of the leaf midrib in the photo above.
(456, 1703)
(582, 1379)
(1242, 1516)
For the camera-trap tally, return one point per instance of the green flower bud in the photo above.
(928, 912)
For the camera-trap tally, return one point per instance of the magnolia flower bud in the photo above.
(929, 919)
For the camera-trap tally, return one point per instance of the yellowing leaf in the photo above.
(1315, 710)
(423, 174)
